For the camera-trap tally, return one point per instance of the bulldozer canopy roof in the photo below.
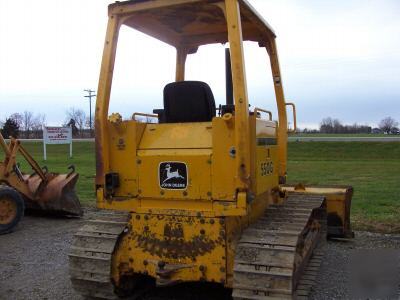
(189, 23)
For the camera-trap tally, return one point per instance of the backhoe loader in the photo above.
(41, 190)
(200, 196)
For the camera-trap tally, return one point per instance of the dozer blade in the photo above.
(55, 195)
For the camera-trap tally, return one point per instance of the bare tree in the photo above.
(39, 121)
(78, 115)
(388, 124)
(326, 125)
(88, 125)
(337, 126)
(27, 122)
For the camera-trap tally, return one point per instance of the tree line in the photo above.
(25, 125)
(30, 126)
(329, 125)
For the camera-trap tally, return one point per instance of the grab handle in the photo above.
(144, 115)
(294, 118)
(256, 110)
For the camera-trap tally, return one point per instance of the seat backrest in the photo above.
(188, 101)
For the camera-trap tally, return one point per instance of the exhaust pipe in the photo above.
(228, 78)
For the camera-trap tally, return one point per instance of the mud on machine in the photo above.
(199, 196)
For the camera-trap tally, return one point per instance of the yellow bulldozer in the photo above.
(41, 191)
(200, 196)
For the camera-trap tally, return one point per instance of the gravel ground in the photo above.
(33, 259)
(33, 263)
(357, 269)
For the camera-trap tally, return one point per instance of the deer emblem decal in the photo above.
(173, 175)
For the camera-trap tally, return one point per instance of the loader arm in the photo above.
(32, 162)
(4, 146)
(41, 190)
(10, 157)
(7, 166)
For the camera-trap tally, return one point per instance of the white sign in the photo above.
(57, 135)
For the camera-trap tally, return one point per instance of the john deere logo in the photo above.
(173, 175)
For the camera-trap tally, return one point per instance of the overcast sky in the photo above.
(338, 58)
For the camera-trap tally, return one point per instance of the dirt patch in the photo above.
(34, 264)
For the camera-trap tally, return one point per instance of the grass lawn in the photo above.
(372, 168)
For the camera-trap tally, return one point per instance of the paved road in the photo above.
(344, 139)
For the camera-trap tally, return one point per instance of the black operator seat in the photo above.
(188, 101)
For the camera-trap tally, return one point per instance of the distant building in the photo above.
(395, 130)
(376, 131)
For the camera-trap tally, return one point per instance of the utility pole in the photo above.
(90, 95)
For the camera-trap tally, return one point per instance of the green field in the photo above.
(372, 168)
(340, 135)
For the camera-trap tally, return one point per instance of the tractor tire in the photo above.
(11, 209)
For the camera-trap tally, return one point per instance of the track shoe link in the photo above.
(91, 253)
(273, 253)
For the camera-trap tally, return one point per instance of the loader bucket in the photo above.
(57, 195)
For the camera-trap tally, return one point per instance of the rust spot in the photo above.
(173, 230)
(173, 244)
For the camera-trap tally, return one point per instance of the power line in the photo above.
(90, 95)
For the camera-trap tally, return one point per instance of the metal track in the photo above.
(91, 253)
(272, 254)
(310, 274)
